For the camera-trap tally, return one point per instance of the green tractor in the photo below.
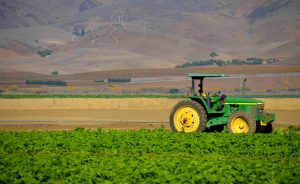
(203, 112)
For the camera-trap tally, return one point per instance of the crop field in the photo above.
(106, 152)
(148, 156)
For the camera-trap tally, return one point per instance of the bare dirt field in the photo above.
(16, 75)
(262, 79)
(126, 114)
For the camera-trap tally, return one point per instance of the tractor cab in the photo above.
(214, 102)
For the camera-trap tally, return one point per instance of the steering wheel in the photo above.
(217, 93)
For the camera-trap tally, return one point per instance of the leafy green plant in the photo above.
(148, 156)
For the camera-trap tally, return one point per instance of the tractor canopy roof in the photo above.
(203, 75)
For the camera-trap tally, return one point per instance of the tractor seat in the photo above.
(207, 99)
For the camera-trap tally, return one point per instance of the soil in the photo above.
(122, 114)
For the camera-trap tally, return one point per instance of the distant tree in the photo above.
(119, 80)
(174, 91)
(272, 60)
(45, 52)
(237, 62)
(54, 72)
(41, 82)
(52, 46)
(254, 61)
(82, 32)
(75, 32)
(79, 32)
(213, 54)
(249, 61)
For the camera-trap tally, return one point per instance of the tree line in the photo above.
(54, 83)
(248, 61)
(119, 80)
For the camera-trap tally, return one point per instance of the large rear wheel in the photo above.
(241, 122)
(188, 116)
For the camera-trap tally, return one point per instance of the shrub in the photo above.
(2, 90)
(119, 80)
(174, 91)
(292, 90)
(54, 73)
(213, 54)
(79, 32)
(44, 53)
(13, 88)
(56, 83)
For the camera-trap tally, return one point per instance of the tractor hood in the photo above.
(243, 101)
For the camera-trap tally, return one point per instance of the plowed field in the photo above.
(134, 113)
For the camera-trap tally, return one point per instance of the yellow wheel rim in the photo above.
(239, 125)
(186, 119)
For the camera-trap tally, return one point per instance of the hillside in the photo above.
(95, 35)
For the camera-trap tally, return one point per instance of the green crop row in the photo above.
(146, 156)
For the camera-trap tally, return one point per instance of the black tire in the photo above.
(197, 119)
(241, 122)
(216, 128)
(267, 129)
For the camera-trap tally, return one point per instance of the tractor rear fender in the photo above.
(201, 101)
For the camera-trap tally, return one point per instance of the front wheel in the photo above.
(188, 116)
(266, 129)
(241, 122)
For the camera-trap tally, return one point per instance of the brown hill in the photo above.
(125, 34)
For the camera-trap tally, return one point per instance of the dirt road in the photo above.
(66, 114)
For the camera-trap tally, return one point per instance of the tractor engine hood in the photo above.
(243, 101)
